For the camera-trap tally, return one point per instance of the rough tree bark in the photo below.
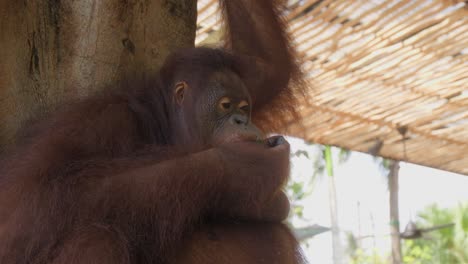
(55, 49)
(394, 212)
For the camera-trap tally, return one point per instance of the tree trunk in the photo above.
(51, 50)
(394, 214)
(337, 248)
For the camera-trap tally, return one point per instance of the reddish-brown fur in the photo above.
(104, 180)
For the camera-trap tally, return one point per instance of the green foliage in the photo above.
(301, 153)
(442, 246)
(417, 252)
(299, 188)
(296, 193)
(343, 155)
(384, 164)
(328, 160)
(357, 255)
(302, 184)
(447, 245)
(362, 257)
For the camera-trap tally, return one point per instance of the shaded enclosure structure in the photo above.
(377, 67)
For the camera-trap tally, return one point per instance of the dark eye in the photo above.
(244, 106)
(225, 104)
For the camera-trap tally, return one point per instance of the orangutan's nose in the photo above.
(237, 119)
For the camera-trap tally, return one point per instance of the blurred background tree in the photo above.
(447, 245)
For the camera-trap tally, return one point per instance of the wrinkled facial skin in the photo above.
(219, 112)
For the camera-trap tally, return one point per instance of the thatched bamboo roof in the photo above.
(377, 67)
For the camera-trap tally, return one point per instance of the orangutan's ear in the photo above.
(180, 89)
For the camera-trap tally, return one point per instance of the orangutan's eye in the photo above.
(244, 106)
(225, 104)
